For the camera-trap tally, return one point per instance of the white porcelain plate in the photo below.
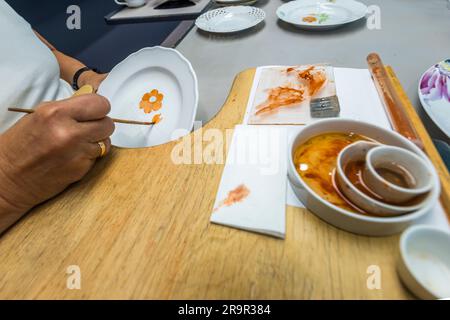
(230, 19)
(157, 68)
(235, 2)
(434, 94)
(321, 14)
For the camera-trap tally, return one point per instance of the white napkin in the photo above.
(255, 177)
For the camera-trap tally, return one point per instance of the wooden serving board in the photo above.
(138, 228)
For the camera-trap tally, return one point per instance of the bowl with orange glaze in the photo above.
(313, 154)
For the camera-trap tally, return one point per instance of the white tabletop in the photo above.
(414, 35)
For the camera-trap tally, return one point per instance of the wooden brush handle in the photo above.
(391, 101)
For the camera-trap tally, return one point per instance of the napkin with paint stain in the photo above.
(252, 191)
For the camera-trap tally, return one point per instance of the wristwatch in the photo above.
(77, 75)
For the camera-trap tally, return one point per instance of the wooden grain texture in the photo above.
(428, 144)
(138, 227)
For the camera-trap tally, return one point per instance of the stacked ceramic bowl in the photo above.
(387, 207)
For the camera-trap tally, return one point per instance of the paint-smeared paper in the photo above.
(252, 192)
(283, 94)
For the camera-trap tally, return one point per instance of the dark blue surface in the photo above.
(444, 150)
(96, 44)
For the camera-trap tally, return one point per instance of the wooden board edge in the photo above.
(429, 146)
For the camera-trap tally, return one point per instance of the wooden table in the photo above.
(138, 227)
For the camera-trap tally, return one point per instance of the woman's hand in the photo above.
(48, 150)
(91, 78)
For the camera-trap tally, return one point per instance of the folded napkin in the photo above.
(252, 192)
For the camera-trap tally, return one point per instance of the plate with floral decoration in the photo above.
(434, 94)
(321, 14)
(152, 85)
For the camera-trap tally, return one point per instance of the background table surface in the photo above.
(414, 35)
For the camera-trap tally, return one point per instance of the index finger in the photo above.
(87, 107)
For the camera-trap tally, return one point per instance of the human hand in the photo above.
(45, 152)
(91, 78)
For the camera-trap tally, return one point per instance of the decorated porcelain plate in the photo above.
(153, 84)
(230, 19)
(434, 94)
(321, 14)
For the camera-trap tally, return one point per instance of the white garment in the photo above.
(29, 72)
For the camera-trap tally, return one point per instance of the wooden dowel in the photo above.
(113, 119)
(405, 120)
(391, 101)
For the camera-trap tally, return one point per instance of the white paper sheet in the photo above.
(257, 163)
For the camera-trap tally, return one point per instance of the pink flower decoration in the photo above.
(435, 84)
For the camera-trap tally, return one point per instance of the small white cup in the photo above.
(358, 151)
(391, 157)
(424, 262)
(131, 3)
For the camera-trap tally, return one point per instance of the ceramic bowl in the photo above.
(359, 151)
(391, 157)
(344, 219)
(424, 264)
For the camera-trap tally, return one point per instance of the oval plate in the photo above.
(434, 94)
(165, 70)
(326, 14)
(230, 19)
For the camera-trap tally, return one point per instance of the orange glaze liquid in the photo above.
(315, 162)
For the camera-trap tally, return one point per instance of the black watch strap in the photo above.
(77, 75)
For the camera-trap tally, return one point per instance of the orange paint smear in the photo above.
(280, 97)
(310, 79)
(309, 19)
(156, 118)
(234, 196)
(315, 79)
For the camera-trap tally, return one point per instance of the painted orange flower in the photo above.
(151, 101)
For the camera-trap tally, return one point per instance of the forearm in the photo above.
(8, 215)
(68, 66)
(10, 208)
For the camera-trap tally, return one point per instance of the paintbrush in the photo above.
(113, 119)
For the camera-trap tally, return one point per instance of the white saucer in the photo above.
(230, 19)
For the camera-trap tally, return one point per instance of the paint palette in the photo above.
(283, 94)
